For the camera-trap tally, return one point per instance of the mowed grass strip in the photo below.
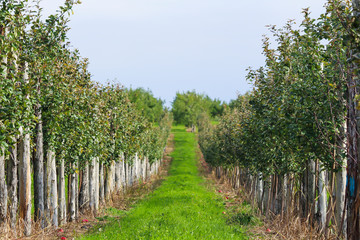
(181, 208)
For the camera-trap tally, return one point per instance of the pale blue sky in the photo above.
(177, 45)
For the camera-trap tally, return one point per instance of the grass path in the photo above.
(181, 208)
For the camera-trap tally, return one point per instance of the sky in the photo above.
(171, 46)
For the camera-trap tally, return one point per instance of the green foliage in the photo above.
(43, 81)
(188, 106)
(149, 106)
(297, 109)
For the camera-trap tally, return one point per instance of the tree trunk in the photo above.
(147, 169)
(13, 171)
(76, 193)
(144, 169)
(3, 186)
(135, 169)
(61, 191)
(117, 176)
(72, 196)
(39, 171)
(3, 189)
(113, 173)
(310, 197)
(284, 191)
(340, 199)
(108, 182)
(353, 127)
(101, 184)
(25, 184)
(122, 174)
(289, 196)
(94, 186)
(126, 176)
(97, 184)
(13, 185)
(267, 196)
(131, 174)
(322, 197)
(259, 190)
(51, 194)
(84, 190)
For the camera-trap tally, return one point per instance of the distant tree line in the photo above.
(144, 101)
(188, 106)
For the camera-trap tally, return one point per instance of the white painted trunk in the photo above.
(266, 198)
(122, 173)
(113, 173)
(3, 189)
(13, 185)
(77, 193)
(289, 195)
(148, 172)
(51, 194)
(92, 186)
(322, 197)
(118, 176)
(61, 192)
(311, 188)
(3, 186)
(139, 169)
(101, 183)
(126, 177)
(25, 173)
(97, 184)
(108, 182)
(340, 199)
(157, 166)
(135, 169)
(72, 197)
(285, 194)
(39, 185)
(154, 167)
(144, 163)
(340, 192)
(25, 184)
(131, 174)
(84, 190)
(260, 190)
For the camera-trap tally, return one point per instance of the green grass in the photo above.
(181, 208)
(214, 122)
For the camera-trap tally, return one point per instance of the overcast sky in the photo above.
(177, 45)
